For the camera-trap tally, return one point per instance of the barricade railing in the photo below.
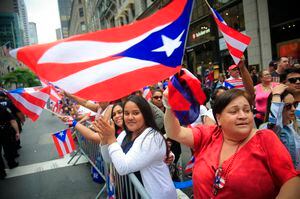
(127, 185)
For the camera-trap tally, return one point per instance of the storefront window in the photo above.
(234, 17)
(199, 33)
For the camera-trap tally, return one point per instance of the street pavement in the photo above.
(41, 173)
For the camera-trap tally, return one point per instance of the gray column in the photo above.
(258, 28)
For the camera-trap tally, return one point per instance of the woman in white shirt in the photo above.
(139, 148)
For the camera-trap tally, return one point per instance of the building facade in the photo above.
(64, 7)
(77, 24)
(24, 21)
(33, 38)
(272, 34)
(58, 34)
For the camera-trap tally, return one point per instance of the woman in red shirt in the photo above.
(234, 160)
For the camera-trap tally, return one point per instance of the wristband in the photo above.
(74, 122)
(276, 94)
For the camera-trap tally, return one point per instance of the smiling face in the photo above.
(117, 115)
(266, 77)
(133, 118)
(236, 119)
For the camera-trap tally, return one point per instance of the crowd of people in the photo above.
(246, 140)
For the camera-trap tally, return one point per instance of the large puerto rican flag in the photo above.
(30, 101)
(109, 64)
(63, 142)
(236, 42)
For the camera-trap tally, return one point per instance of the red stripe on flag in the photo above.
(69, 134)
(33, 116)
(140, 78)
(233, 51)
(34, 100)
(233, 33)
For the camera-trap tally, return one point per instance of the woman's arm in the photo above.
(290, 189)
(88, 133)
(83, 102)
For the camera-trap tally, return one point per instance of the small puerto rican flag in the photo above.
(63, 142)
(147, 93)
(189, 166)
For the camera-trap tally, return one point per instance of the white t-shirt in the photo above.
(198, 121)
(147, 156)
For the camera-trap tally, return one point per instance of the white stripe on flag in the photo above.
(68, 143)
(54, 94)
(41, 95)
(83, 51)
(62, 146)
(101, 72)
(234, 42)
(33, 108)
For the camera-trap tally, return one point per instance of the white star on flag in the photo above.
(169, 45)
(61, 134)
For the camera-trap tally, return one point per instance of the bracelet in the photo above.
(74, 122)
(276, 94)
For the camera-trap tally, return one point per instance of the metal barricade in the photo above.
(91, 151)
(127, 186)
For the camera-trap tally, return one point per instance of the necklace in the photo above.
(266, 88)
(221, 174)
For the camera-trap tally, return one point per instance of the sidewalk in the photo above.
(42, 174)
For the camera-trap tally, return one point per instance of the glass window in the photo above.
(81, 12)
(234, 17)
(200, 9)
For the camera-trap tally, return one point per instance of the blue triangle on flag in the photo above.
(61, 135)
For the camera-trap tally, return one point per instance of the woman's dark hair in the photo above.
(269, 102)
(225, 98)
(111, 115)
(215, 94)
(147, 113)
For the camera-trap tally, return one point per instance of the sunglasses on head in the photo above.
(293, 80)
(157, 97)
(288, 106)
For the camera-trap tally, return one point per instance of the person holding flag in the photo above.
(232, 158)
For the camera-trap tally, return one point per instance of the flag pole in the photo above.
(187, 30)
(207, 4)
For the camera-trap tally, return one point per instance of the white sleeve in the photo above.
(144, 151)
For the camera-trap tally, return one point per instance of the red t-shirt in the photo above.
(259, 169)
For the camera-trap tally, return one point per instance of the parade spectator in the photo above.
(282, 64)
(208, 117)
(281, 119)
(89, 133)
(140, 148)
(233, 151)
(262, 92)
(272, 66)
(8, 128)
(254, 76)
(100, 107)
(156, 99)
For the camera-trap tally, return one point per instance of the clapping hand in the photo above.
(105, 129)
